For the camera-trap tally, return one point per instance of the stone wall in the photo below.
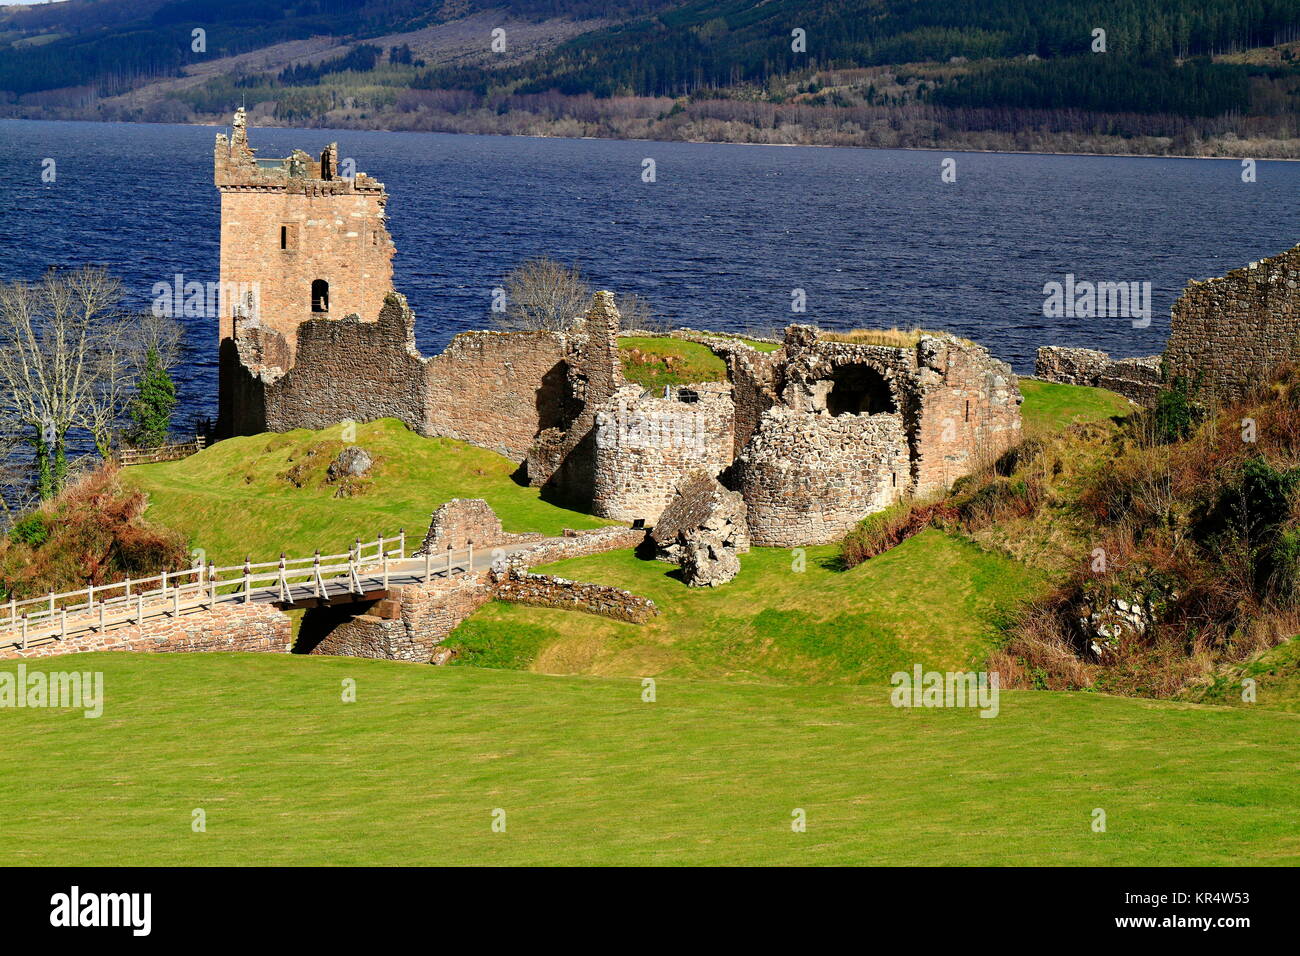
(230, 627)
(348, 369)
(645, 444)
(1137, 379)
(1229, 333)
(518, 586)
(807, 479)
(497, 390)
(966, 413)
(461, 520)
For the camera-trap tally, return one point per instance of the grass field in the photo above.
(932, 600)
(589, 774)
(264, 493)
(1050, 406)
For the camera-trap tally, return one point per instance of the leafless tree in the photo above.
(543, 294)
(637, 313)
(70, 357)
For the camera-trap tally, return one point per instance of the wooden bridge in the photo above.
(367, 571)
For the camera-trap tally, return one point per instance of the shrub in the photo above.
(30, 530)
(1174, 415)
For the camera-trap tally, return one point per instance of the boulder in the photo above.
(702, 530)
(352, 462)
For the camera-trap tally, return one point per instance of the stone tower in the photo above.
(298, 241)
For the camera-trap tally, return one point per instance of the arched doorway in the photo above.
(320, 296)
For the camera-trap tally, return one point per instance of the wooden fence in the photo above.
(146, 456)
(365, 567)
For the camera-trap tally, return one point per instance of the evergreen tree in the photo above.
(151, 409)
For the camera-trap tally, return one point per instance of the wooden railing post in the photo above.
(90, 596)
(24, 630)
(63, 622)
(101, 617)
(176, 602)
(248, 578)
(139, 610)
(448, 561)
(428, 564)
(381, 544)
(401, 544)
(51, 604)
(212, 580)
(469, 569)
(385, 553)
(317, 581)
(283, 582)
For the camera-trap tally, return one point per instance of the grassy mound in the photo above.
(656, 361)
(586, 773)
(933, 601)
(266, 493)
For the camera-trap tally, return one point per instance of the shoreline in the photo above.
(699, 142)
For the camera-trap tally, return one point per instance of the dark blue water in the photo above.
(873, 236)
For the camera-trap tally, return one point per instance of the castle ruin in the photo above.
(814, 435)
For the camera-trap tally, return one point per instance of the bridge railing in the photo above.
(101, 607)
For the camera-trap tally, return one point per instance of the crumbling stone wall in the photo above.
(1137, 379)
(959, 406)
(1229, 333)
(230, 627)
(756, 382)
(497, 390)
(348, 369)
(645, 444)
(808, 478)
(562, 460)
(518, 586)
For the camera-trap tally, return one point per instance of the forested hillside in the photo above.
(1135, 75)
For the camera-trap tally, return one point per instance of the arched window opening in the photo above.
(320, 296)
(859, 390)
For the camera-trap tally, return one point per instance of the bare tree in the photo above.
(637, 313)
(543, 294)
(70, 356)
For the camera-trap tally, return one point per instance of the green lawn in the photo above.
(1051, 406)
(243, 496)
(932, 600)
(669, 361)
(589, 774)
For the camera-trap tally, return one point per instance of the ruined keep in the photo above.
(298, 241)
(814, 435)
